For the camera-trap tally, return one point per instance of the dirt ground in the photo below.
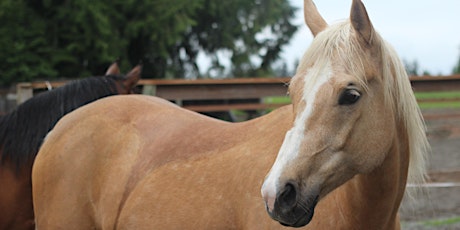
(439, 205)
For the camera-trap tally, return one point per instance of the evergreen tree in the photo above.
(456, 69)
(247, 30)
(412, 68)
(45, 39)
(23, 44)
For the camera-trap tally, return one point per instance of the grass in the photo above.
(420, 96)
(442, 222)
(440, 105)
(455, 103)
(277, 100)
(438, 95)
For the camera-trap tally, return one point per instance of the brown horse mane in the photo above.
(22, 130)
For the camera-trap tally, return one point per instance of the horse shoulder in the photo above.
(87, 156)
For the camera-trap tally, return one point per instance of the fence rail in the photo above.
(204, 95)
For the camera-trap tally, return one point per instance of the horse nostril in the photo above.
(287, 199)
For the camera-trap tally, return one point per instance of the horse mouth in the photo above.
(300, 222)
(299, 216)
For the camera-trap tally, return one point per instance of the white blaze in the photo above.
(291, 145)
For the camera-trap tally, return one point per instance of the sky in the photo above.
(427, 31)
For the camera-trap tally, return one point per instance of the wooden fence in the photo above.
(205, 95)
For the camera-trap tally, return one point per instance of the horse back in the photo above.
(105, 148)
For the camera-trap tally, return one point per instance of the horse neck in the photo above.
(262, 137)
(374, 198)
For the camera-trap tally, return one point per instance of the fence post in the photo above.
(24, 92)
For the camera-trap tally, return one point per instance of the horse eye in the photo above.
(349, 97)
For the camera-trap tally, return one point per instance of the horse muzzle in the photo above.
(289, 209)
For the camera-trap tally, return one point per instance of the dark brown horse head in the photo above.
(126, 83)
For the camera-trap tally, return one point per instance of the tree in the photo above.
(456, 69)
(47, 39)
(153, 29)
(412, 68)
(62, 38)
(246, 30)
(22, 44)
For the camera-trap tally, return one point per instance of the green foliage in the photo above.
(152, 30)
(48, 39)
(22, 48)
(247, 30)
(412, 68)
(56, 38)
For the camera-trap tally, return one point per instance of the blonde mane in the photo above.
(338, 41)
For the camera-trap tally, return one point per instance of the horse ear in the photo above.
(133, 77)
(313, 19)
(113, 69)
(360, 21)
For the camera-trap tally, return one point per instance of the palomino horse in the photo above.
(22, 131)
(345, 147)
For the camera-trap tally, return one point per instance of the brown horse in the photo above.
(345, 147)
(22, 132)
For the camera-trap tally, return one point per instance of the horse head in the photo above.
(126, 83)
(345, 123)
